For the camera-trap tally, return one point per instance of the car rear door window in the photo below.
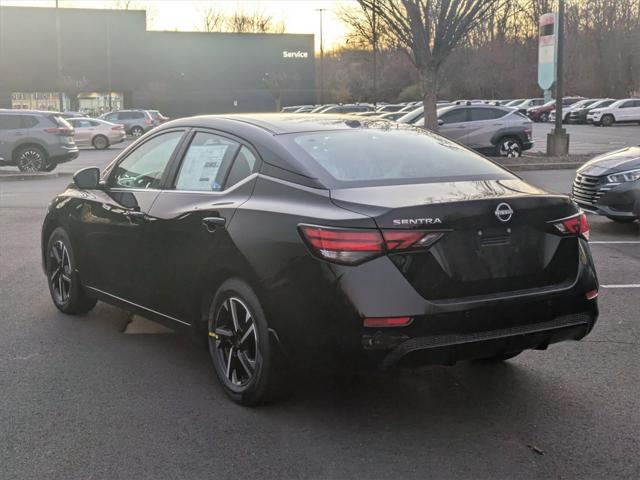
(206, 163)
(143, 168)
(486, 114)
(455, 116)
(243, 166)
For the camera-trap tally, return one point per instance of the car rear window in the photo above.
(389, 155)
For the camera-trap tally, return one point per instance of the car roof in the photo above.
(264, 131)
(276, 123)
(28, 112)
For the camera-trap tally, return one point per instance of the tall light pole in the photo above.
(374, 26)
(321, 100)
(59, 59)
(558, 139)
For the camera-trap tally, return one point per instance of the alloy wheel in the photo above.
(136, 131)
(233, 340)
(60, 272)
(31, 160)
(510, 149)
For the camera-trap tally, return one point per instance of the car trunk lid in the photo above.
(497, 236)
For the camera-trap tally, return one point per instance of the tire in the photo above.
(607, 120)
(503, 357)
(64, 284)
(100, 142)
(31, 158)
(247, 363)
(509, 147)
(544, 117)
(137, 131)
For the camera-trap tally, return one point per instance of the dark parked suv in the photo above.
(136, 122)
(35, 140)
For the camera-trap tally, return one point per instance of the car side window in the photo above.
(82, 124)
(111, 117)
(243, 166)
(143, 168)
(454, 116)
(206, 163)
(485, 114)
(630, 103)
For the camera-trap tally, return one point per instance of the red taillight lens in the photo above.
(117, 127)
(60, 131)
(148, 121)
(354, 246)
(591, 294)
(386, 322)
(576, 225)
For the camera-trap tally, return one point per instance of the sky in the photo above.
(299, 16)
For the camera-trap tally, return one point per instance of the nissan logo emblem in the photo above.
(503, 212)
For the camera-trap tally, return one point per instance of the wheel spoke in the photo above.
(224, 332)
(229, 358)
(247, 364)
(55, 273)
(234, 315)
(250, 330)
(56, 254)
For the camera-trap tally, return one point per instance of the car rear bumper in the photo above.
(68, 154)
(448, 349)
(446, 330)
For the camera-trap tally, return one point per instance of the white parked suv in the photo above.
(622, 111)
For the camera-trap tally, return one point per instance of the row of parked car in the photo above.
(596, 111)
(486, 126)
(36, 140)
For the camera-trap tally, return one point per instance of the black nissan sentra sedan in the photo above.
(289, 238)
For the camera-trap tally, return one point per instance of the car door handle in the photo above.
(212, 223)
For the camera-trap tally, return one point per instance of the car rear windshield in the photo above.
(394, 154)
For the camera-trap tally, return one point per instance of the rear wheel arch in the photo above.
(235, 267)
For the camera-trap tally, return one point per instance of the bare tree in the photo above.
(254, 22)
(212, 19)
(430, 30)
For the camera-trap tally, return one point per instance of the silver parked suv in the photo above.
(35, 141)
(494, 130)
(136, 122)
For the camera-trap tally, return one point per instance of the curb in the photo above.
(14, 177)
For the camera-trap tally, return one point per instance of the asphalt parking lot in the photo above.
(584, 139)
(80, 399)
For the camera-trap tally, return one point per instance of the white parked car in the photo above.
(622, 111)
(97, 133)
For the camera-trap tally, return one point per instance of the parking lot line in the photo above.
(604, 242)
(629, 285)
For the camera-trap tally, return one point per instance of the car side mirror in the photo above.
(440, 122)
(87, 178)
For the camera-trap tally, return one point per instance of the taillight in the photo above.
(117, 127)
(354, 246)
(60, 131)
(575, 225)
(148, 121)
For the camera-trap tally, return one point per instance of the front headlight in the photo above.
(630, 176)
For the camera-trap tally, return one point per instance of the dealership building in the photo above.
(108, 57)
